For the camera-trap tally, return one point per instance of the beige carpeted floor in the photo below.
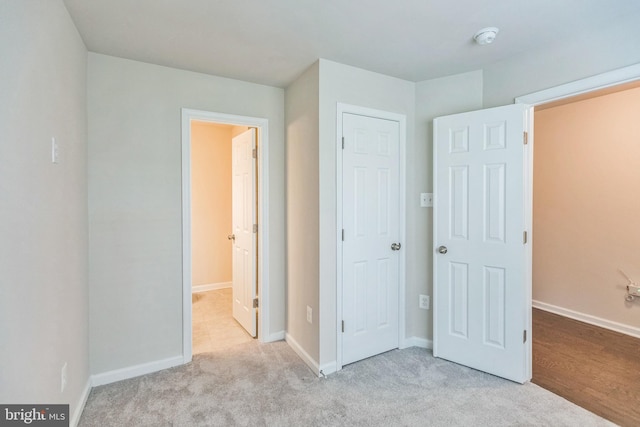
(252, 384)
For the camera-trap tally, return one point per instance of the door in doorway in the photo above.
(370, 217)
(482, 285)
(244, 237)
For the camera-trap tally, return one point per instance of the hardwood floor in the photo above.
(592, 367)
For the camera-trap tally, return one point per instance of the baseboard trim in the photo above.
(312, 364)
(417, 342)
(587, 318)
(210, 287)
(135, 371)
(77, 413)
(276, 336)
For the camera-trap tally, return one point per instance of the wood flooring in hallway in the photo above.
(592, 367)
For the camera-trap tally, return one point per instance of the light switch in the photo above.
(426, 200)
(54, 151)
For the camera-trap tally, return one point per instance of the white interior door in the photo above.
(482, 299)
(371, 206)
(244, 235)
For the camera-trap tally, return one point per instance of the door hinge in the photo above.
(524, 238)
(255, 228)
(343, 234)
(254, 153)
(524, 337)
(343, 326)
(343, 142)
(255, 302)
(526, 138)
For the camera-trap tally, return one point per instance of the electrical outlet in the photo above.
(426, 200)
(424, 302)
(63, 377)
(309, 314)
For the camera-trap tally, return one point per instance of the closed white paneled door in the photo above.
(244, 235)
(370, 217)
(481, 289)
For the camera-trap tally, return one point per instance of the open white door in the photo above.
(370, 247)
(482, 299)
(244, 231)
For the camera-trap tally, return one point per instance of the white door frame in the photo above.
(262, 125)
(579, 87)
(402, 120)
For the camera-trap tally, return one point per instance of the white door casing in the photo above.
(268, 324)
(244, 235)
(371, 221)
(482, 299)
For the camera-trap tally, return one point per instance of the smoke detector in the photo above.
(486, 35)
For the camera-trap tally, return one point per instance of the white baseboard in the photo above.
(210, 287)
(77, 413)
(303, 354)
(417, 342)
(135, 371)
(276, 336)
(587, 318)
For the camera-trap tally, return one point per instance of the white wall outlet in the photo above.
(63, 377)
(309, 314)
(55, 151)
(426, 200)
(424, 302)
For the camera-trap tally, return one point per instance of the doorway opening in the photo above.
(585, 145)
(225, 231)
(223, 264)
(600, 85)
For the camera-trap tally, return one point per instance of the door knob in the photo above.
(442, 249)
(231, 237)
(395, 246)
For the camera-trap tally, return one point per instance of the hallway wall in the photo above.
(135, 203)
(210, 204)
(585, 205)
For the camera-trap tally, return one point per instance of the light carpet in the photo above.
(268, 385)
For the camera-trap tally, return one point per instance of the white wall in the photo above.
(434, 98)
(301, 106)
(135, 245)
(603, 49)
(345, 84)
(43, 208)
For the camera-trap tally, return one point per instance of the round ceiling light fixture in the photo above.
(486, 35)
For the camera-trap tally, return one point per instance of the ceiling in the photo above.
(273, 41)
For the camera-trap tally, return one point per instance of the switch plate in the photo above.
(424, 302)
(426, 200)
(309, 314)
(55, 152)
